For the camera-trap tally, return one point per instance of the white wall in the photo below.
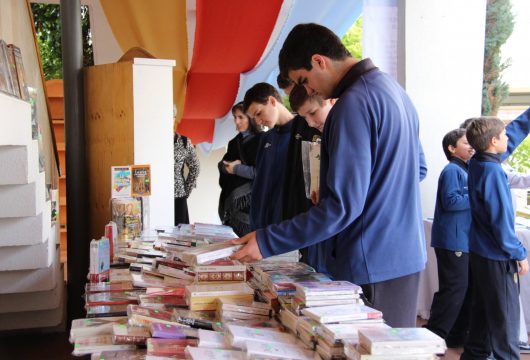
(153, 132)
(203, 201)
(444, 42)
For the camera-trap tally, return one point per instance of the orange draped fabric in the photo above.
(230, 37)
(159, 26)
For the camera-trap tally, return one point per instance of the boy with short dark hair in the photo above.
(495, 251)
(450, 239)
(278, 191)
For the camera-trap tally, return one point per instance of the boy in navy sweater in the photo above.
(497, 257)
(450, 240)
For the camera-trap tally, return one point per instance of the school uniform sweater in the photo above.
(452, 215)
(267, 189)
(492, 234)
(369, 214)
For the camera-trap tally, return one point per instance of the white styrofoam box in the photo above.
(23, 200)
(15, 122)
(28, 230)
(33, 301)
(27, 256)
(34, 319)
(20, 164)
(30, 280)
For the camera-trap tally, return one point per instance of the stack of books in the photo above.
(230, 309)
(208, 253)
(205, 296)
(314, 294)
(220, 271)
(396, 344)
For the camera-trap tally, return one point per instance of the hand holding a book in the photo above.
(250, 251)
(523, 266)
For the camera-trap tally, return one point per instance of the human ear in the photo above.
(318, 60)
(272, 99)
(451, 149)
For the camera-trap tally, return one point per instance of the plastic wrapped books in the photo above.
(123, 334)
(203, 254)
(120, 355)
(88, 345)
(197, 353)
(338, 332)
(93, 327)
(238, 336)
(356, 352)
(168, 331)
(204, 296)
(212, 339)
(168, 347)
(258, 349)
(341, 313)
(381, 341)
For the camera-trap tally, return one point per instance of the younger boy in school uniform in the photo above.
(497, 257)
(450, 239)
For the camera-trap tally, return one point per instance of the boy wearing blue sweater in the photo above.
(497, 257)
(450, 239)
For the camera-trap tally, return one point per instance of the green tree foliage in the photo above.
(499, 27)
(48, 27)
(520, 159)
(353, 39)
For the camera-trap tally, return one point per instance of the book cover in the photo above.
(5, 75)
(121, 181)
(220, 265)
(21, 77)
(13, 71)
(360, 353)
(141, 180)
(168, 347)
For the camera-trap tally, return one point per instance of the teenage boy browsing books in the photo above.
(450, 239)
(495, 252)
(314, 109)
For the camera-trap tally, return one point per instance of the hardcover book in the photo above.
(238, 336)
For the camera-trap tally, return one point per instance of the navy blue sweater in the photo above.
(452, 215)
(369, 214)
(492, 234)
(267, 189)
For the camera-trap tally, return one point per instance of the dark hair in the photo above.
(451, 138)
(481, 130)
(260, 93)
(252, 126)
(304, 41)
(283, 82)
(299, 96)
(466, 123)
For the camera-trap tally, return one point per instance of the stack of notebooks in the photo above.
(396, 344)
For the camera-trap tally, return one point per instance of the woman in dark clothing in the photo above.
(236, 171)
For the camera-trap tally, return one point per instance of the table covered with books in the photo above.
(429, 277)
(174, 293)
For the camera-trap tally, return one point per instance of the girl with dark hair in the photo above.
(236, 173)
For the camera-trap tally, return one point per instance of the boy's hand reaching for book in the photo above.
(523, 266)
(250, 251)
